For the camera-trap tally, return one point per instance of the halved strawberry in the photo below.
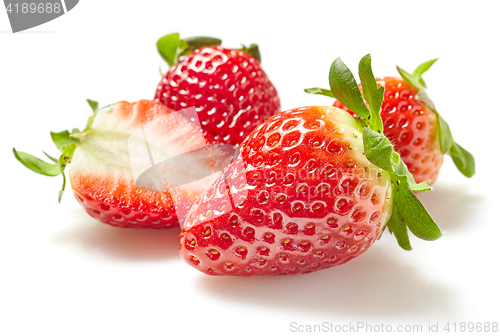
(311, 188)
(103, 156)
(228, 87)
(417, 131)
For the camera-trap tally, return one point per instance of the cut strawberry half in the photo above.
(103, 156)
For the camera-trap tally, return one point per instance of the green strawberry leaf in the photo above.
(401, 171)
(171, 47)
(252, 50)
(423, 96)
(183, 45)
(416, 77)
(62, 139)
(408, 212)
(463, 160)
(378, 149)
(409, 78)
(444, 135)
(190, 44)
(320, 91)
(167, 47)
(413, 80)
(397, 226)
(421, 69)
(373, 94)
(53, 159)
(37, 165)
(95, 108)
(67, 143)
(197, 42)
(414, 215)
(48, 169)
(63, 162)
(345, 88)
(93, 105)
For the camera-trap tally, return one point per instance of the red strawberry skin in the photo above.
(231, 92)
(154, 211)
(299, 197)
(100, 171)
(411, 127)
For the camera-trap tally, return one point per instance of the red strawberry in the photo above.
(231, 92)
(312, 199)
(101, 175)
(413, 126)
(311, 188)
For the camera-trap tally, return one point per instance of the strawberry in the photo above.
(419, 134)
(231, 92)
(101, 174)
(310, 188)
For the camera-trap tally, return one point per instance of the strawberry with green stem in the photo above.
(228, 87)
(411, 122)
(311, 188)
(100, 171)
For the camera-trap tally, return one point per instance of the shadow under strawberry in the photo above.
(454, 206)
(121, 244)
(375, 285)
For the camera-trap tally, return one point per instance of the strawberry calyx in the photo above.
(407, 212)
(66, 142)
(252, 50)
(320, 91)
(463, 160)
(173, 49)
(415, 78)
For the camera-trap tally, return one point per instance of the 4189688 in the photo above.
(25, 8)
(471, 327)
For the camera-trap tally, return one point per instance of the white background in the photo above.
(63, 273)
